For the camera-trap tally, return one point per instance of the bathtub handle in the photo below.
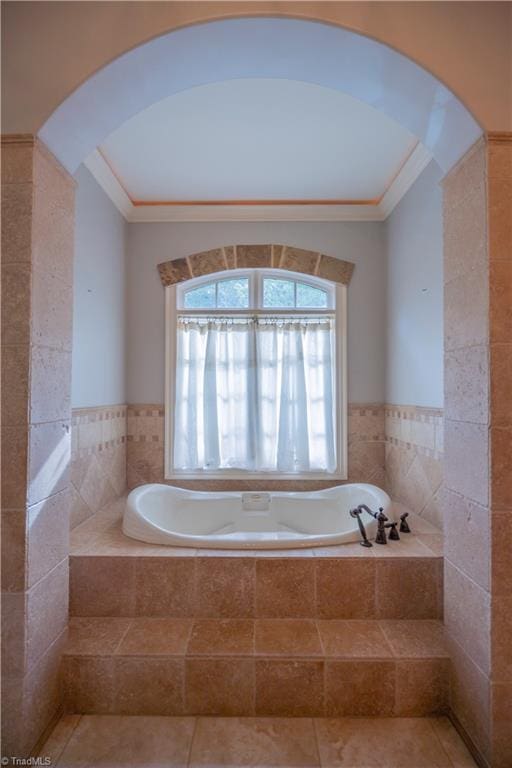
(356, 513)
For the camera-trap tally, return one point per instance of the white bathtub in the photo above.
(163, 514)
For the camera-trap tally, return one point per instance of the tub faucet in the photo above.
(381, 519)
(404, 525)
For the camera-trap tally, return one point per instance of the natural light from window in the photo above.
(255, 380)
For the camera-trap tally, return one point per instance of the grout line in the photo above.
(439, 742)
(316, 737)
(194, 729)
(130, 624)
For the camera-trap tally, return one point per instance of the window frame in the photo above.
(337, 299)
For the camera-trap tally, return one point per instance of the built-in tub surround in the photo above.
(414, 459)
(98, 459)
(145, 453)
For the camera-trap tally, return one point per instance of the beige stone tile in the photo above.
(42, 699)
(289, 688)
(500, 638)
(47, 612)
(500, 217)
(13, 542)
(298, 260)
(49, 460)
(368, 742)
(165, 587)
(365, 458)
(225, 588)
(148, 686)
(13, 634)
(337, 270)
(500, 301)
(249, 256)
(52, 311)
(421, 687)
(468, 173)
(466, 384)
(465, 234)
(287, 637)
(502, 716)
(499, 160)
(105, 741)
(219, 686)
(16, 223)
(79, 512)
(408, 588)
(466, 462)
(418, 638)
(345, 589)
(15, 372)
(15, 304)
(102, 586)
(435, 542)
(467, 537)
(174, 271)
(353, 639)
(53, 217)
(88, 684)
(285, 588)
(95, 636)
(407, 546)
(17, 162)
(54, 746)
(14, 467)
(452, 743)
(470, 697)
(224, 637)
(356, 688)
(258, 741)
(156, 637)
(501, 478)
(501, 525)
(50, 385)
(466, 310)
(206, 262)
(501, 384)
(14, 738)
(47, 535)
(343, 551)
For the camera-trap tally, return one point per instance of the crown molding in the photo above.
(417, 161)
(107, 180)
(152, 212)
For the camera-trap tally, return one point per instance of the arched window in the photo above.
(256, 373)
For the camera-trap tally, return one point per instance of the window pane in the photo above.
(278, 293)
(232, 294)
(308, 296)
(200, 298)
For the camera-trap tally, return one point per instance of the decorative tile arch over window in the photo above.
(256, 257)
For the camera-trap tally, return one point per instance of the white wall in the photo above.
(414, 241)
(99, 298)
(150, 244)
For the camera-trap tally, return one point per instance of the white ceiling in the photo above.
(258, 139)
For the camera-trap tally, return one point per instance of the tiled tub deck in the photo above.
(330, 631)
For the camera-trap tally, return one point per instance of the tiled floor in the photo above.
(109, 741)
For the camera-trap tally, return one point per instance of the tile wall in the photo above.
(414, 458)
(98, 459)
(145, 451)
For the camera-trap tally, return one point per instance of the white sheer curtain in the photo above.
(255, 394)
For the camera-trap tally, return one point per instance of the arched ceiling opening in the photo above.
(268, 48)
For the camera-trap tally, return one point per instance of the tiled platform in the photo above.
(112, 575)
(290, 667)
(154, 742)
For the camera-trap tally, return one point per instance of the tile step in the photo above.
(358, 587)
(255, 667)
